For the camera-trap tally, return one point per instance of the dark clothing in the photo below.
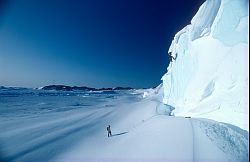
(109, 131)
(109, 134)
(171, 58)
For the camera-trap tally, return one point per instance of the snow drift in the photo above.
(208, 75)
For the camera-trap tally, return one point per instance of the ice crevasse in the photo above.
(208, 75)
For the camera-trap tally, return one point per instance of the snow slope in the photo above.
(38, 126)
(209, 76)
(141, 134)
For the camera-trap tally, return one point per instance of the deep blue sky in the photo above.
(97, 43)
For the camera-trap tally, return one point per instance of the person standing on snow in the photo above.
(109, 131)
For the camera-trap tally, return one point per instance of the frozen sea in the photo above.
(37, 125)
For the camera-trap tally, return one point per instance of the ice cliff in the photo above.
(208, 75)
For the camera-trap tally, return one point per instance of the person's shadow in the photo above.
(118, 134)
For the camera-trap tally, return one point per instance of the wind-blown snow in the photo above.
(209, 76)
(38, 126)
(147, 134)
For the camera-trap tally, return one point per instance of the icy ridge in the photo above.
(207, 75)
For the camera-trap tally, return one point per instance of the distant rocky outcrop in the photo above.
(105, 89)
(122, 88)
(83, 88)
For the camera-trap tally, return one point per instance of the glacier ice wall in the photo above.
(208, 76)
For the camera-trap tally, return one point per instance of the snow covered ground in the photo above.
(37, 125)
(142, 129)
(144, 134)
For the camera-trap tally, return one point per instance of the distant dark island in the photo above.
(83, 88)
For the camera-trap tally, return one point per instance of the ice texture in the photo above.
(209, 76)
